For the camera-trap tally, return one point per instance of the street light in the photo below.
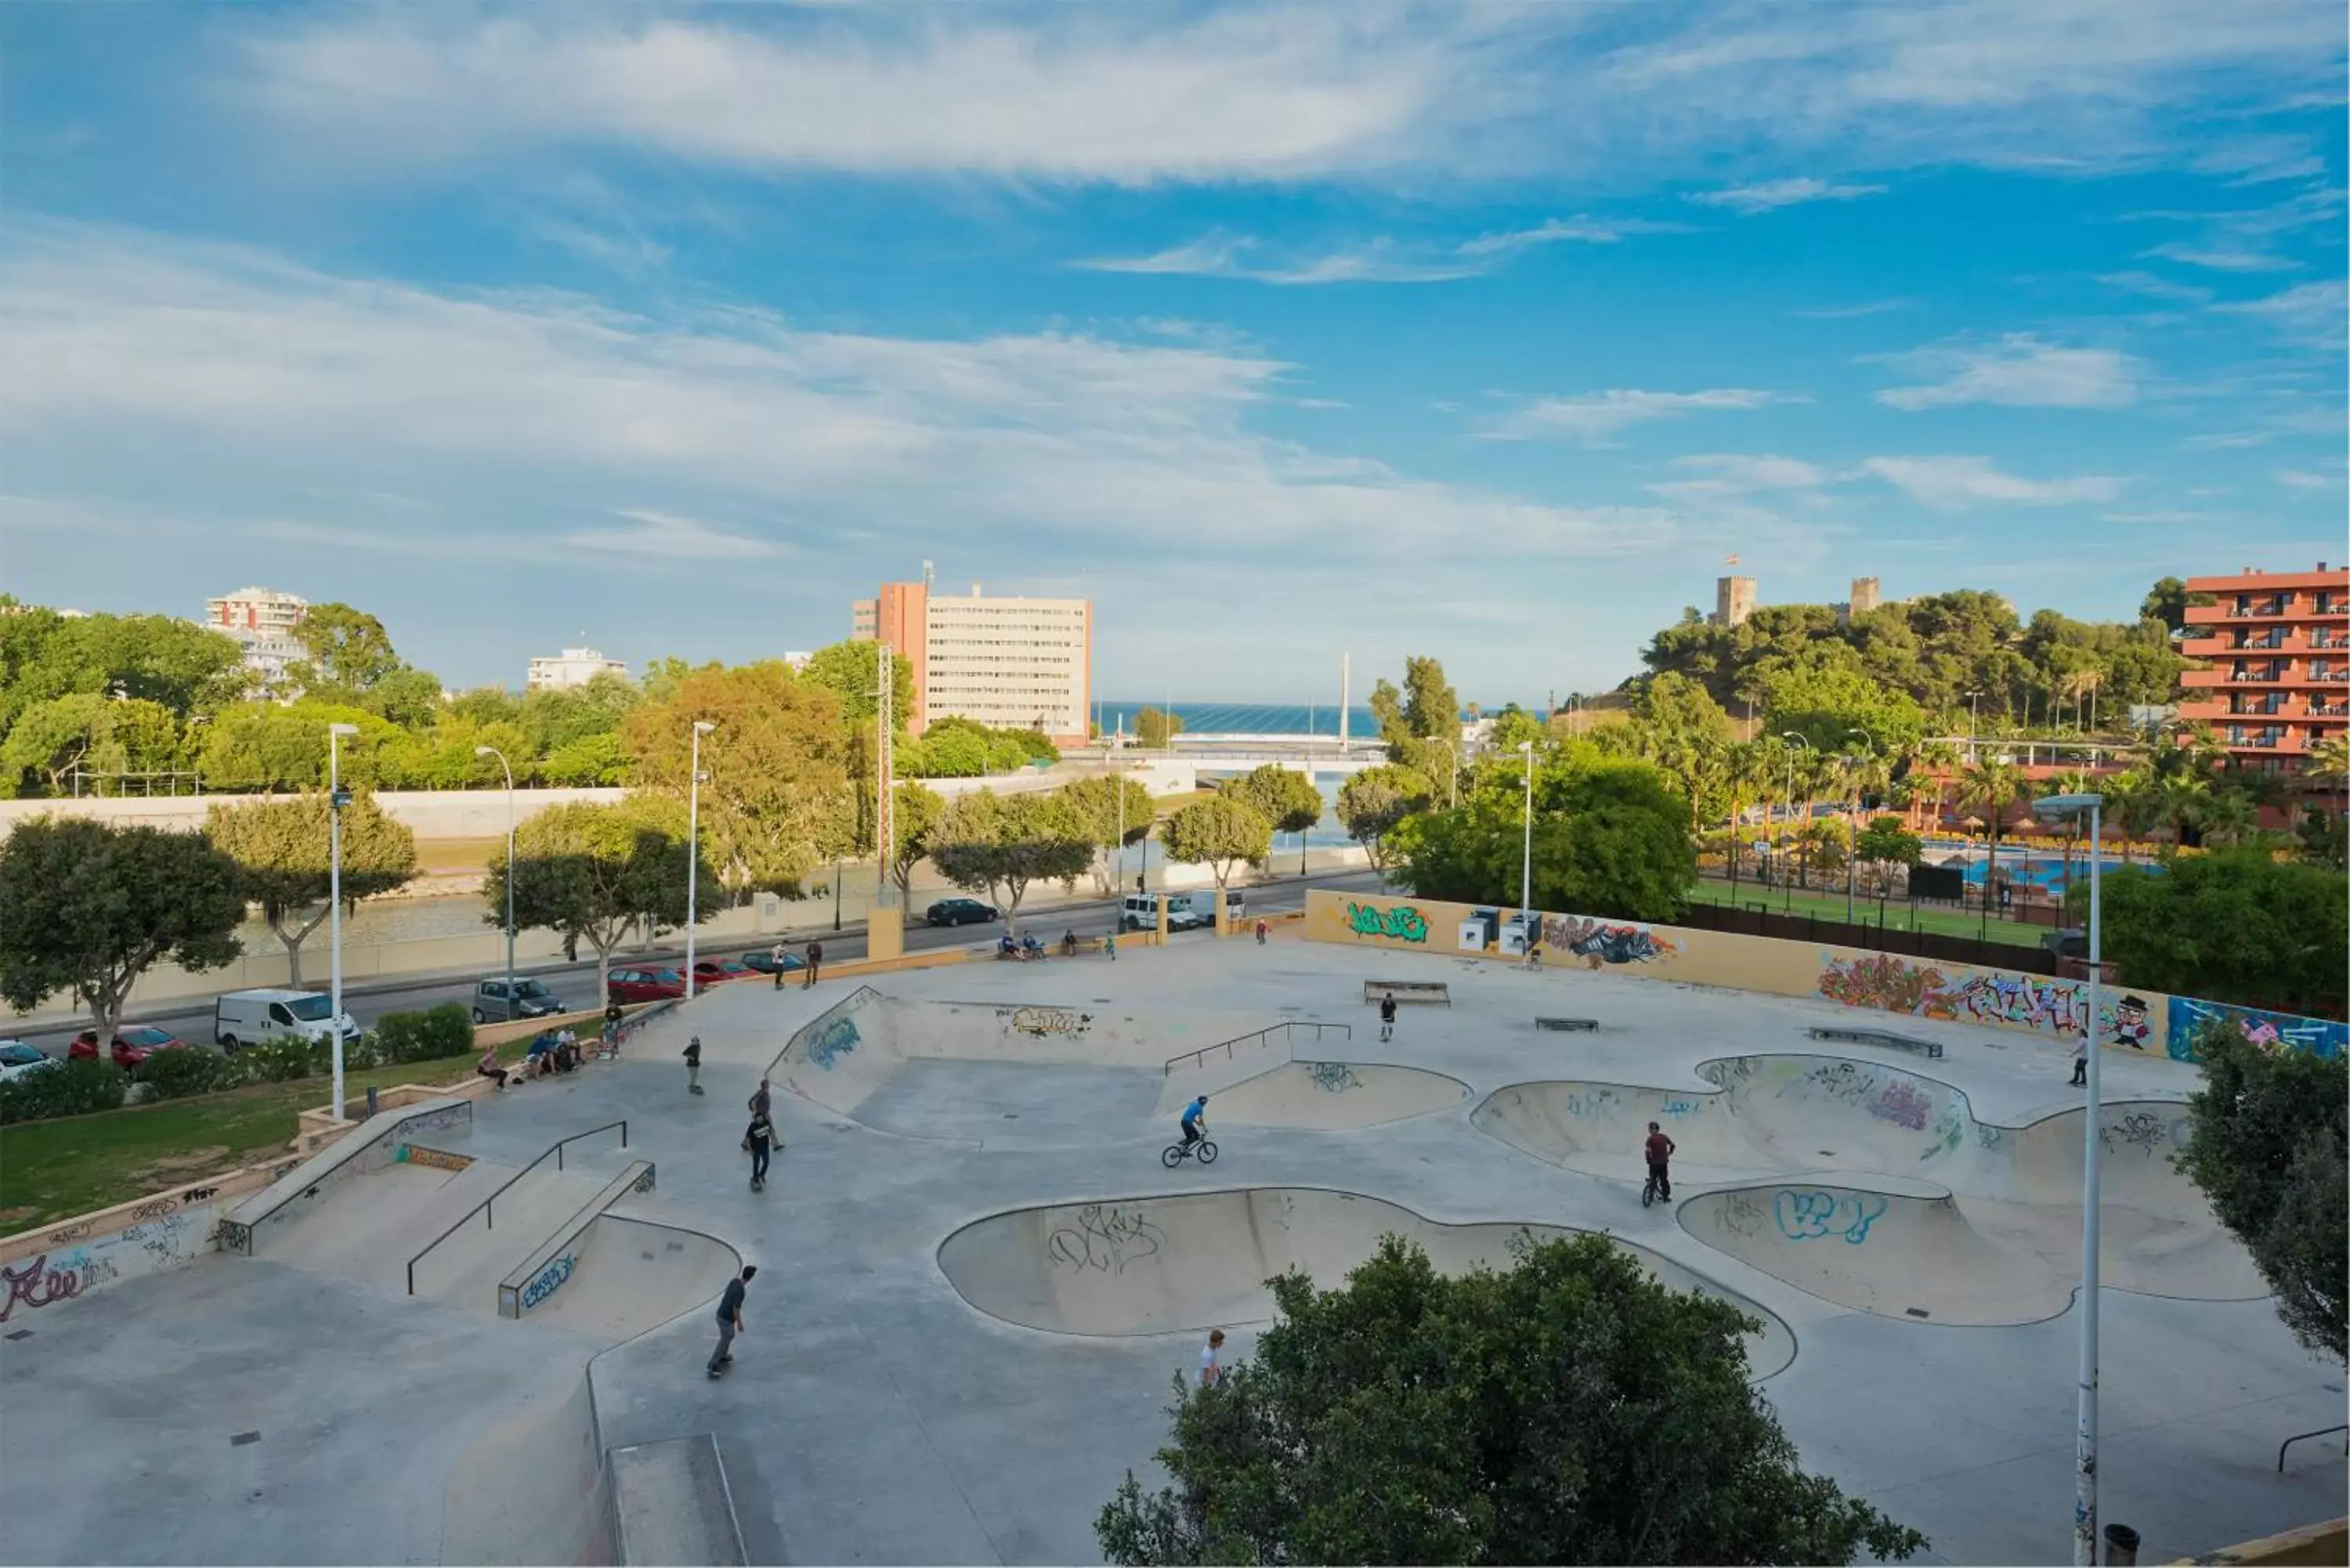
(336, 800)
(1851, 861)
(2059, 807)
(1527, 864)
(1452, 749)
(693, 847)
(1789, 886)
(1973, 755)
(494, 751)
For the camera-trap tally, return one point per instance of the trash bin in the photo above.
(370, 1092)
(2121, 1545)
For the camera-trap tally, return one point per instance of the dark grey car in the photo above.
(530, 1000)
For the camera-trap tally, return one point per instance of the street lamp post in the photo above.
(334, 800)
(1851, 861)
(693, 848)
(1783, 881)
(494, 751)
(1526, 862)
(2085, 1454)
(1974, 725)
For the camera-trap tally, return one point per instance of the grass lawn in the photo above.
(447, 857)
(50, 1171)
(1899, 914)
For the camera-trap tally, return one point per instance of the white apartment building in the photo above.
(1011, 663)
(572, 667)
(265, 620)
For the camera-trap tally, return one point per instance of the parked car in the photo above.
(242, 1018)
(708, 972)
(961, 912)
(644, 984)
(766, 963)
(17, 1059)
(530, 1000)
(131, 1046)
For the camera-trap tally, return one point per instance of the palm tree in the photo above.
(1995, 785)
(2134, 803)
(2227, 815)
(1746, 773)
(1942, 758)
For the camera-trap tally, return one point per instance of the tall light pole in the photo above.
(693, 847)
(1973, 723)
(1526, 864)
(1800, 740)
(2056, 807)
(494, 751)
(334, 802)
(1851, 863)
(1452, 749)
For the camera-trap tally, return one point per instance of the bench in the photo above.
(1435, 991)
(1930, 1048)
(1566, 1024)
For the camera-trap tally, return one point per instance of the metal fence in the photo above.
(1754, 922)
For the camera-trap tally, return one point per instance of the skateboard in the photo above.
(720, 1370)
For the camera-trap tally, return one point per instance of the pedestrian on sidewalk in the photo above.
(814, 962)
(1387, 1018)
(781, 957)
(730, 1318)
(759, 1137)
(693, 1065)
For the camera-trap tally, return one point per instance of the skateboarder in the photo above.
(1387, 1018)
(778, 956)
(759, 1137)
(693, 1065)
(2081, 1062)
(1261, 928)
(729, 1320)
(761, 1100)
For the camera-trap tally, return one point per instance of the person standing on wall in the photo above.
(814, 962)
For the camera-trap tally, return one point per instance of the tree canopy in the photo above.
(281, 850)
(2235, 926)
(914, 819)
(1154, 728)
(850, 669)
(1000, 844)
(1373, 800)
(1221, 831)
(88, 907)
(1567, 1409)
(590, 872)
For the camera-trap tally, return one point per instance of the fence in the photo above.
(1752, 923)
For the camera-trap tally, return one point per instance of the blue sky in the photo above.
(1484, 330)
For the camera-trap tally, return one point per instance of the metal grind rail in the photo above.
(490, 1220)
(1230, 1047)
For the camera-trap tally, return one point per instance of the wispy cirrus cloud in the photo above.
(671, 538)
(1769, 195)
(1852, 312)
(1719, 476)
(2310, 313)
(1594, 417)
(1961, 483)
(1216, 255)
(1580, 229)
(2019, 370)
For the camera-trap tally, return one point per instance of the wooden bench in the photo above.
(1566, 1024)
(1930, 1048)
(1434, 992)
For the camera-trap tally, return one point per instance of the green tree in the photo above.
(1374, 800)
(1284, 797)
(2267, 1148)
(1995, 787)
(561, 716)
(1431, 709)
(777, 798)
(1885, 842)
(1610, 838)
(273, 746)
(591, 761)
(1825, 701)
(850, 669)
(1387, 710)
(349, 651)
(913, 822)
(2234, 926)
(2166, 602)
(85, 734)
(1513, 726)
(1102, 805)
(1567, 1409)
(590, 872)
(999, 844)
(187, 669)
(1154, 729)
(281, 850)
(1220, 833)
(87, 907)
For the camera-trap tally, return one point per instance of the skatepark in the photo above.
(977, 1280)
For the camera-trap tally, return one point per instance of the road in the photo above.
(575, 982)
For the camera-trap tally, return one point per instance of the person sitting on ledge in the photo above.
(488, 1067)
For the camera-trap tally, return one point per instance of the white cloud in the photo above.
(252, 383)
(1593, 417)
(2302, 479)
(1727, 475)
(2019, 370)
(2218, 259)
(1216, 255)
(1957, 483)
(2311, 312)
(1767, 196)
(1852, 312)
(2165, 515)
(2146, 282)
(1580, 229)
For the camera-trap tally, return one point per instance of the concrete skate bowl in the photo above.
(1190, 1262)
(1912, 1145)
(1048, 1076)
(626, 1276)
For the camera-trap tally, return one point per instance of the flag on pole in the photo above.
(1730, 560)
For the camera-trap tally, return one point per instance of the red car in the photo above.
(644, 984)
(710, 971)
(131, 1046)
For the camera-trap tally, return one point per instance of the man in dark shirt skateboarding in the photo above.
(1660, 1154)
(729, 1320)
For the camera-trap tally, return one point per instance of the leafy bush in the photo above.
(279, 1061)
(69, 1089)
(426, 1037)
(192, 1069)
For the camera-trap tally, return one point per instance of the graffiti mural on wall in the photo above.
(1041, 1021)
(51, 1278)
(1403, 922)
(832, 1042)
(2278, 1031)
(1891, 983)
(1601, 942)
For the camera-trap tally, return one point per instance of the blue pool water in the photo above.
(1245, 718)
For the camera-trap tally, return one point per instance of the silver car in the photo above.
(531, 999)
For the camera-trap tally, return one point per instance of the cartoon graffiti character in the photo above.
(2130, 1026)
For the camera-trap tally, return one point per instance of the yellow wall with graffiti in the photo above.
(2054, 1009)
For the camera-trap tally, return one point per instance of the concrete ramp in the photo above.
(1331, 1096)
(530, 1488)
(673, 1504)
(631, 1275)
(1193, 1261)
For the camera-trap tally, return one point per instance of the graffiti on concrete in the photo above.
(1836, 1080)
(1988, 1136)
(1902, 1104)
(1593, 1102)
(67, 1235)
(1403, 922)
(433, 1159)
(643, 1183)
(831, 1042)
(2276, 1031)
(51, 1278)
(1949, 1131)
(1881, 980)
(1808, 1216)
(1044, 1021)
(1739, 1214)
(1106, 1239)
(1602, 942)
(547, 1281)
(2144, 1131)
(1675, 1107)
(1333, 1077)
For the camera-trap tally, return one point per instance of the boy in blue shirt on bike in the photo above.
(1193, 1130)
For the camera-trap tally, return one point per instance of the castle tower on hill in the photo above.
(1733, 600)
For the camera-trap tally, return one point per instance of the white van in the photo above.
(242, 1018)
(1185, 911)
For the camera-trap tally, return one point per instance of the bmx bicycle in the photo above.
(1175, 1154)
(1648, 1192)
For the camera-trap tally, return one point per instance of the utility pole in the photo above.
(885, 816)
(1346, 696)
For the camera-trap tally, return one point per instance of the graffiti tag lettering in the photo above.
(547, 1281)
(1105, 1238)
(1739, 1214)
(1045, 1021)
(1677, 1108)
(1592, 1103)
(36, 1284)
(1404, 923)
(2141, 1130)
(1901, 1105)
(1599, 943)
(832, 1042)
(1810, 1216)
(1333, 1077)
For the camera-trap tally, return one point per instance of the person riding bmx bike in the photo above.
(1193, 1123)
